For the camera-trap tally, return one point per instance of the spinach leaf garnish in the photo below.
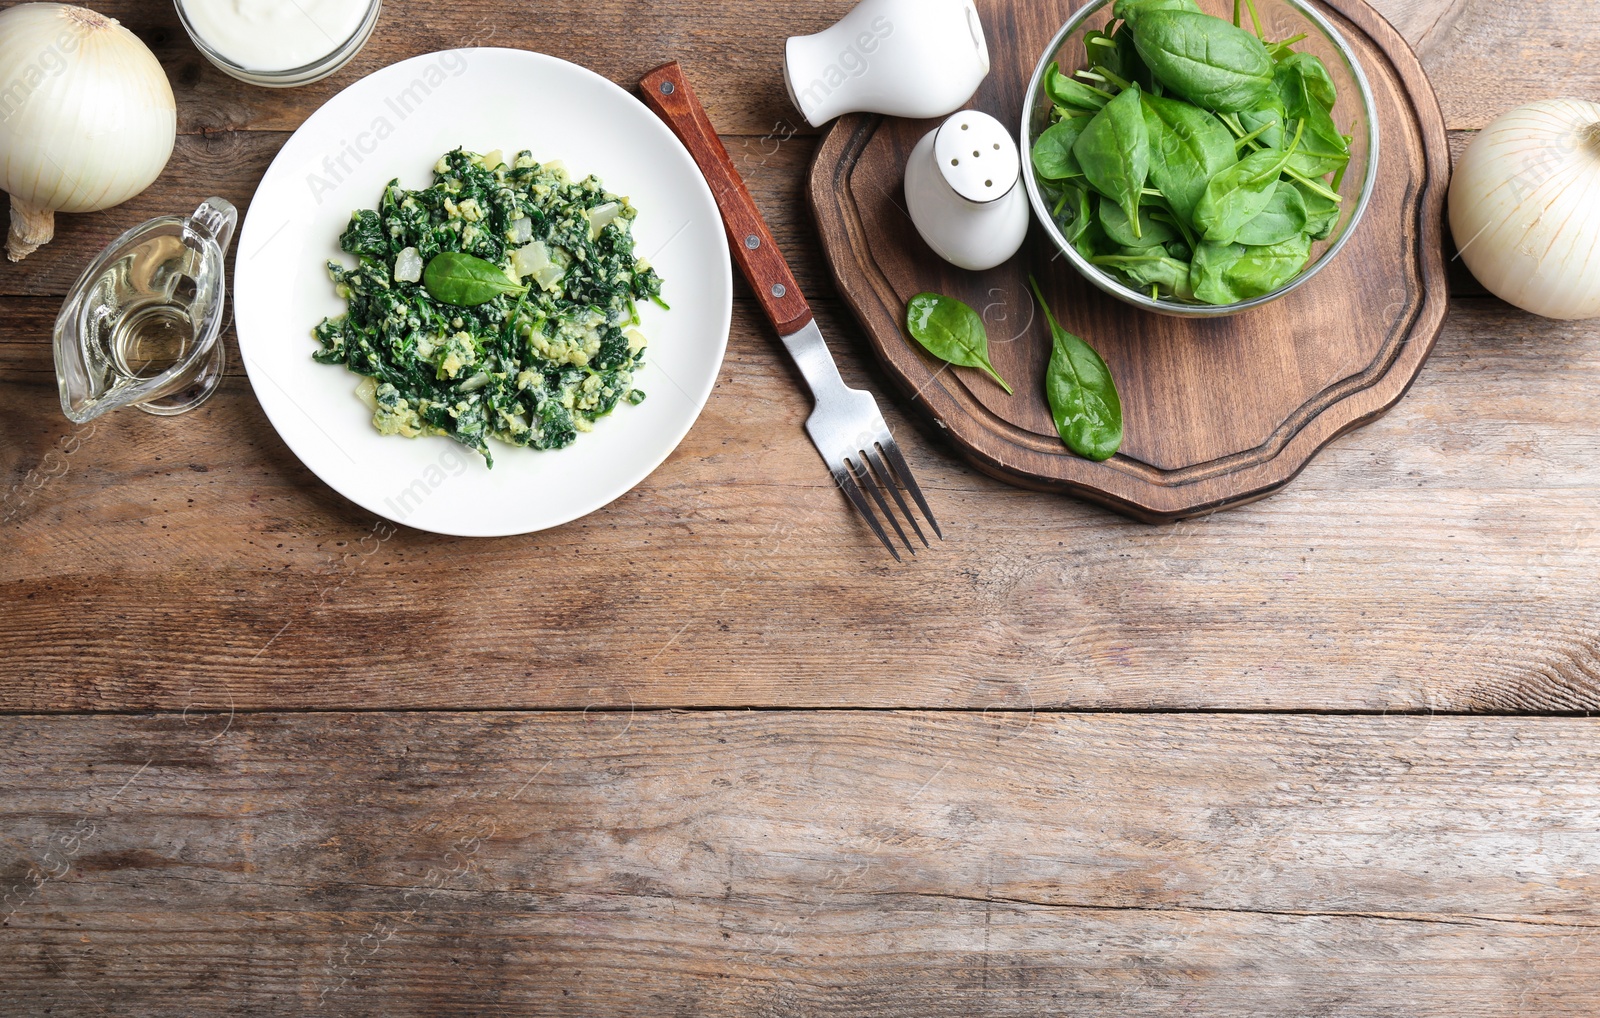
(951, 331)
(464, 281)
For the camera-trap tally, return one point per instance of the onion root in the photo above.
(31, 229)
(1591, 137)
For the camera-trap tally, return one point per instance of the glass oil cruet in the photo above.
(140, 327)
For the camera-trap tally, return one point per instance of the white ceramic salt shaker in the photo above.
(964, 191)
(902, 58)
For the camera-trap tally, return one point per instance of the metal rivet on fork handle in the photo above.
(779, 290)
(667, 88)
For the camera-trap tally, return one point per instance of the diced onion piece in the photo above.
(525, 261)
(536, 260)
(603, 216)
(408, 266)
(521, 230)
(494, 160)
(367, 393)
(476, 382)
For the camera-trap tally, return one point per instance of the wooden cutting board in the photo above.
(1218, 412)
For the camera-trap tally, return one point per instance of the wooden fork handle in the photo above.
(667, 91)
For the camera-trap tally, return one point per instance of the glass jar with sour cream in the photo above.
(277, 43)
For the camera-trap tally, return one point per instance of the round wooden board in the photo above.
(1218, 412)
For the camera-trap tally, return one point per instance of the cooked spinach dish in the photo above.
(1192, 159)
(501, 302)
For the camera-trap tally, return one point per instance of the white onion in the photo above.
(603, 216)
(408, 266)
(1525, 208)
(87, 118)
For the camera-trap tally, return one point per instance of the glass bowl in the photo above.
(1281, 19)
(339, 53)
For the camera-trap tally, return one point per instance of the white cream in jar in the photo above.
(275, 35)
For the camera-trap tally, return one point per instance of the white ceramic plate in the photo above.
(397, 123)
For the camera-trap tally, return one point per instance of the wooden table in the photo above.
(710, 752)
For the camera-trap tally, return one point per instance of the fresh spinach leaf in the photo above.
(1082, 217)
(1188, 146)
(1133, 66)
(1114, 152)
(1270, 114)
(1230, 273)
(1238, 194)
(1131, 10)
(1092, 242)
(1151, 232)
(1319, 83)
(951, 331)
(1101, 50)
(1145, 269)
(464, 281)
(1283, 219)
(1322, 213)
(1082, 394)
(1204, 59)
(1052, 153)
(1067, 91)
(1323, 149)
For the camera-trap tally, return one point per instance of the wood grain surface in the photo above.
(801, 864)
(1218, 412)
(1071, 765)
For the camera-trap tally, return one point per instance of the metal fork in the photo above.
(849, 431)
(846, 426)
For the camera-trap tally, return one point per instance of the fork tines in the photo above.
(874, 471)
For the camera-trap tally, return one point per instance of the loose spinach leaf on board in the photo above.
(1229, 273)
(951, 331)
(1052, 153)
(1188, 146)
(1082, 394)
(464, 281)
(1204, 59)
(1283, 219)
(1151, 232)
(1114, 152)
(1239, 194)
(1072, 93)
